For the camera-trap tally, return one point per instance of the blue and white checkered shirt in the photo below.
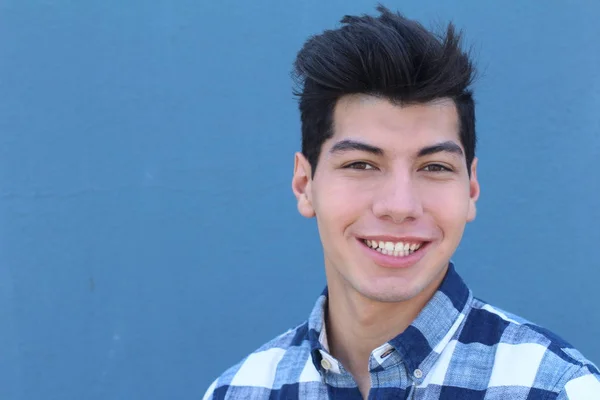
(457, 348)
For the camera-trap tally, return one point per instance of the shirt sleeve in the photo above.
(583, 385)
(209, 393)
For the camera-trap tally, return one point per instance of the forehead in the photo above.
(392, 126)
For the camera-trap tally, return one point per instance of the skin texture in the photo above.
(392, 191)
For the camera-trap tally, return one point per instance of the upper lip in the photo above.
(388, 238)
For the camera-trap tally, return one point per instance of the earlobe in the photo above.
(474, 191)
(301, 185)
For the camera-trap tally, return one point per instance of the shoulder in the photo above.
(282, 361)
(500, 327)
(522, 353)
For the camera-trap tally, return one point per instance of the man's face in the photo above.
(391, 195)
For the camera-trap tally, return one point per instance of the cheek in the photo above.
(337, 205)
(449, 207)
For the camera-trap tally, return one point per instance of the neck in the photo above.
(357, 325)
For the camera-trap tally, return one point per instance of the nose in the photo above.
(397, 199)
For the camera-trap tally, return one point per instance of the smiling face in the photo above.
(391, 195)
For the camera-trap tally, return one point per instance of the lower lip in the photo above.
(388, 261)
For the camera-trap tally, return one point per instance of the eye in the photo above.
(436, 168)
(359, 165)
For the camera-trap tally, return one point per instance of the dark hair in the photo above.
(388, 56)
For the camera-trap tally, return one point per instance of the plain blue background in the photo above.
(149, 236)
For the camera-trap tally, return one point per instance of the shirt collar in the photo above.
(420, 344)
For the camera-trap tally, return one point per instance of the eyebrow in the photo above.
(349, 145)
(353, 145)
(449, 147)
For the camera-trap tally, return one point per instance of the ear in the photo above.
(474, 191)
(301, 185)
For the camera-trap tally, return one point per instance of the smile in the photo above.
(396, 249)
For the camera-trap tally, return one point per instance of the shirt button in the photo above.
(418, 373)
(325, 364)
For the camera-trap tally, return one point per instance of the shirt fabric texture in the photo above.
(458, 347)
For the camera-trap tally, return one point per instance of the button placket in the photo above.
(328, 363)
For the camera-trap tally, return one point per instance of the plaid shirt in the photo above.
(457, 348)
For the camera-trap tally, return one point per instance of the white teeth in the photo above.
(398, 249)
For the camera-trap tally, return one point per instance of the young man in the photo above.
(388, 169)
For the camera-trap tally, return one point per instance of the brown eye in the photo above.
(359, 165)
(436, 168)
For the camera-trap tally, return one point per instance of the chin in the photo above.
(391, 294)
(388, 288)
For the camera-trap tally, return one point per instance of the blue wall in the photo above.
(148, 233)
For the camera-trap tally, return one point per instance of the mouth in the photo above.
(394, 249)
